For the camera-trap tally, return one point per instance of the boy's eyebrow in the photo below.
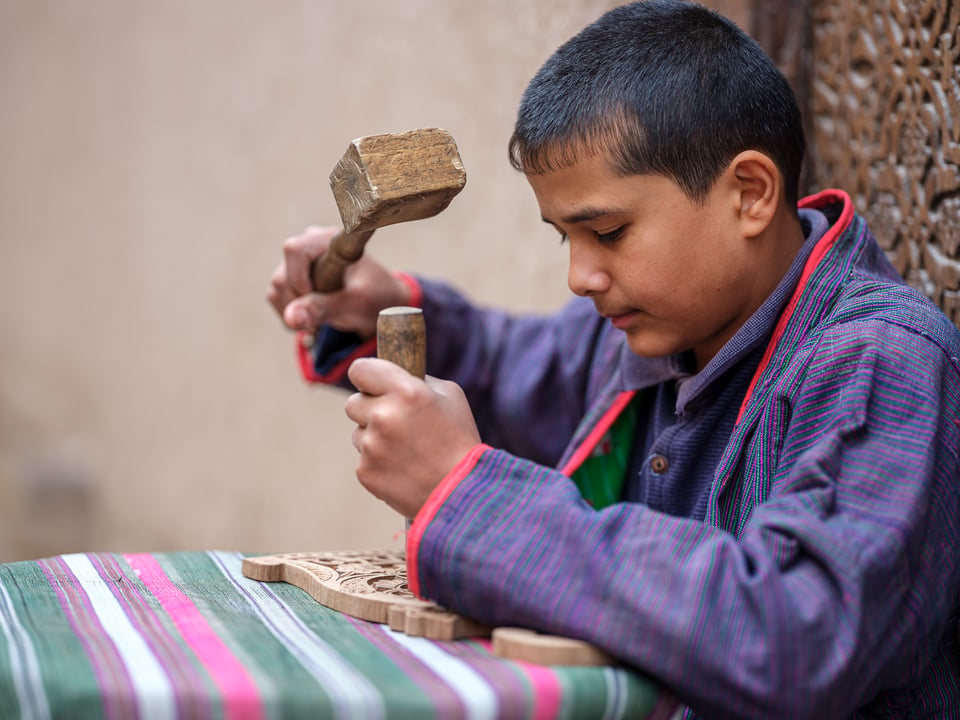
(585, 214)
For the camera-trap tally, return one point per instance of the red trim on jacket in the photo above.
(432, 506)
(304, 343)
(337, 372)
(416, 292)
(590, 442)
(821, 199)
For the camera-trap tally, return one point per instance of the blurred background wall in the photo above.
(153, 157)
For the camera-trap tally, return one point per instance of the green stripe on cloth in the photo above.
(243, 618)
(395, 672)
(185, 635)
(621, 694)
(67, 684)
(19, 665)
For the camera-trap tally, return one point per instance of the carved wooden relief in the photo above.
(885, 105)
(372, 585)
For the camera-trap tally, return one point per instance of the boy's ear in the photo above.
(758, 184)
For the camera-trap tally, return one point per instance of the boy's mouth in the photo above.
(620, 320)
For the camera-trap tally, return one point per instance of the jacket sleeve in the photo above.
(838, 585)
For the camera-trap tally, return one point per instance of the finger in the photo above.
(299, 252)
(279, 293)
(374, 376)
(297, 262)
(357, 408)
(307, 312)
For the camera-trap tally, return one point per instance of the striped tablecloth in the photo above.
(186, 635)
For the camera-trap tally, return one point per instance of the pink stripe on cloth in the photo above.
(105, 661)
(241, 699)
(547, 690)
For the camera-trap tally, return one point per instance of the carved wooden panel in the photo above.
(372, 585)
(885, 106)
(366, 584)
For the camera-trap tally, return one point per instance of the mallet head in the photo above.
(387, 179)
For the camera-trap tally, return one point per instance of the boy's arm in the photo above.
(524, 376)
(839, 586)
(515, 370)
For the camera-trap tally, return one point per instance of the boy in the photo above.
(731, 461)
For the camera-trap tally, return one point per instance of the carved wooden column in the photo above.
(885, 110)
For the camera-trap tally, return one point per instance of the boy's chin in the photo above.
(649, 346)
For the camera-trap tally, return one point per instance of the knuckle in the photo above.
(379, 418)
(410, 393)
(293, 244)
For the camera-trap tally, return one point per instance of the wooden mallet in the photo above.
(382, 180)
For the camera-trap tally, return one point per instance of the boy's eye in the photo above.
(610, 237)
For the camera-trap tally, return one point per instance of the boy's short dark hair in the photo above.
(666, 87)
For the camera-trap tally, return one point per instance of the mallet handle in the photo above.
(402, 339)
(345, 249)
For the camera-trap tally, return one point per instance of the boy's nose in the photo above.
(585, 276)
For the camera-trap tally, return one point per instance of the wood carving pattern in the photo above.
(886, 109)
(372, 585)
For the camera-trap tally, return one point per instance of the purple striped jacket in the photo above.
(824, 581)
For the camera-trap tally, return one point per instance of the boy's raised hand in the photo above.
(368, 288)
(410, 433)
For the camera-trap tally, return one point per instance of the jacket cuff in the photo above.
(430, 509)
(313, 371)
(325, 358)
(413, 285)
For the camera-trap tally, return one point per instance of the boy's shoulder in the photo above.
(863, 286)
(874, 292)
(865, 299)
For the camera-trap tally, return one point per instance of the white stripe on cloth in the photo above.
(616, 694)
(24, 665)
(350, 692)
(150, 683)
(478, 697)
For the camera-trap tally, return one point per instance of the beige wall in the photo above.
(153, 156)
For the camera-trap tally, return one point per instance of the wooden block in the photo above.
(531, 646)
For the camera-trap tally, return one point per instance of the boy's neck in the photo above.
(776, 247)
(785, 241)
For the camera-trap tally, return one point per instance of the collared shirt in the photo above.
(684, 425)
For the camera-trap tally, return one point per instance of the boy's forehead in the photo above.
(589, 189)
